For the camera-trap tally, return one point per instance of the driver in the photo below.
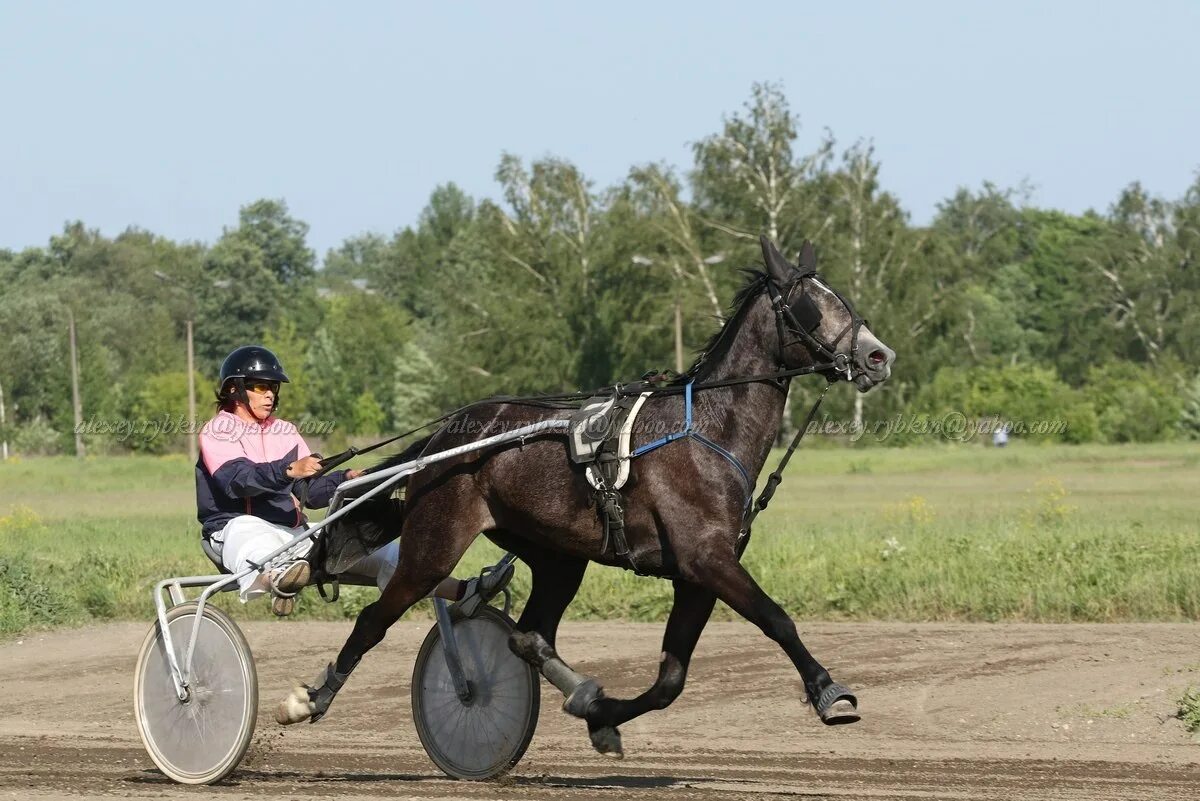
(248, 477)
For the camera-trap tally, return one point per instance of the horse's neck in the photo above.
(744, 418)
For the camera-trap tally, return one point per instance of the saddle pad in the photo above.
(589, 427)
(623, 450)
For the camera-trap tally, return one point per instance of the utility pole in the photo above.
(191, 357)
(191, 435)
(678, 334)
(3, 435)
(79, 452)
(679, 275)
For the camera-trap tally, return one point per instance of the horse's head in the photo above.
(817, 325)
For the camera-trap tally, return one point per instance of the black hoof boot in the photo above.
(836, 705)
(321, 697)
(581, 698)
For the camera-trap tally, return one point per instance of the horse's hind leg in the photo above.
(736, 587)
(690, 611)
(556, 579)
(436, 534)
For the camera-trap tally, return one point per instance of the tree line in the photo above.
(996, 307)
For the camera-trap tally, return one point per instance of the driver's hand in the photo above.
(303, 468)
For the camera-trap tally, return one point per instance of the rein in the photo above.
(785, 321)
(622, 390)
(776, 476)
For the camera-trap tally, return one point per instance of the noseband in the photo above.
(802, 330)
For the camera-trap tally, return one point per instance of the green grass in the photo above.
(1033, 533)
(1189, 710)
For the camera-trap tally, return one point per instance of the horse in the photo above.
(685, 506)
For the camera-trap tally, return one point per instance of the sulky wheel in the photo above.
(200, 740)
(487, 734)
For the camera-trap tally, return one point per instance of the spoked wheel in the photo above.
(202, 739)
(485, 735)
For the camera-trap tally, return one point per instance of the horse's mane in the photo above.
(722, 338)
(411, 451)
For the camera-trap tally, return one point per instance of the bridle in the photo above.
(787, 322)
(802, 330)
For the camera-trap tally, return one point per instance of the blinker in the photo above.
(806, 313)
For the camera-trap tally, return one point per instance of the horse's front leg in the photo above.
(690, 610)
(720, 572)
(312, 702)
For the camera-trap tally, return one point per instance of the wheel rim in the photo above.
(202, 738)
(486, 734)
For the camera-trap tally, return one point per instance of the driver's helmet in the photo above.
(246, 364)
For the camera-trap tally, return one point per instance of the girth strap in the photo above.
(612, 516)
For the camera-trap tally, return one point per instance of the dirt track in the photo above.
(949, 711)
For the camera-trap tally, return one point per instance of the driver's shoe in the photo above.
(286, 581)
(481, 589)
(283, 605)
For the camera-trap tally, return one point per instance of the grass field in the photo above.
(1033, 533)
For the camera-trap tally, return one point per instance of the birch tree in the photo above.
(748, 180)
(972, 237)
(691, 258)
(517, 290)
(872, 251)
(1151, 276)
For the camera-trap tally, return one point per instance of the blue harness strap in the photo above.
(690, 433)
(687, 426)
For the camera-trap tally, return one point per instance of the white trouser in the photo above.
(247, 539)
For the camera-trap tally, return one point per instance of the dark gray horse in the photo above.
(685, 503)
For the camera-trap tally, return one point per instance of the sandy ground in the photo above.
(949, 711)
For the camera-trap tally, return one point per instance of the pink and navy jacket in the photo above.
(242, 470)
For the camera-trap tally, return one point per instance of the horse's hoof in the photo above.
(839, 712)
(607, 741)
(836, 706)
(295, 707)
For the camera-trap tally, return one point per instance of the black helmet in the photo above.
(252, 362)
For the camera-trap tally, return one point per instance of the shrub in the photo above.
(1050, 507)
(1189, 709)
(160, 401)
(1022, 392)
(37, 438)
(367, 415)
(27, 600)
(1134, 403)
(1083, 424)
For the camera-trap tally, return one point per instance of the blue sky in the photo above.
(170, 116)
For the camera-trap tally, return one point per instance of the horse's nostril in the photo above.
(877, 357)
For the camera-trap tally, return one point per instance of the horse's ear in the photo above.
(808, 257)
(777, 266)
